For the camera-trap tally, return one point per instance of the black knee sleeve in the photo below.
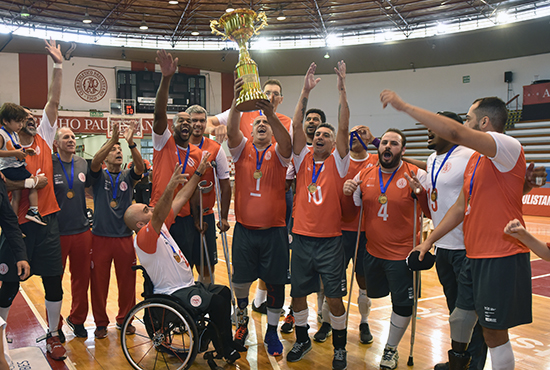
(275, 295)
(404, 311)
(8, 292)
(53, 288)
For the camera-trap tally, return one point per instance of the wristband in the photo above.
(198, 173)
(58, 65)
(132, 146)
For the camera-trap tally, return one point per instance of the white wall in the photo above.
(9, 75)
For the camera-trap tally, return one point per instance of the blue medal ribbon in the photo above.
(70, 180)
(186, 157)
(383, 187)
(259, 160)
(356, 134)
(114, 187)
(202, 142)
(15, 145)
(472, 180)
(314, 174)
(434, 179)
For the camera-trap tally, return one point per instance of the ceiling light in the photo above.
(25, 12)
(173, 2)
(503, 17)
(143, 25)
(281, 16)
(87, 19)
(229, 7)
(388, 35)
(195, 31)
(326, 55)
(332, 40)
(441, 27)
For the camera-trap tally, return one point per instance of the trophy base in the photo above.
(248, 105)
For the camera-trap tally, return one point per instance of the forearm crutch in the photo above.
(416, 288)
(354, 261)
(203, 188)
(223, 235)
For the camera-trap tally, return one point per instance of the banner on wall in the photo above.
(97, 125)
(537, 202)
(536, 101)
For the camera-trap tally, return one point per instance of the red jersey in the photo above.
(165, 160)
(389, 226)
(259, 203)
(318, 214)
(247, 123)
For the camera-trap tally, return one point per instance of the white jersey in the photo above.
(449, 184)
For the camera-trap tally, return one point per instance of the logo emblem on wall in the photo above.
(90, 85)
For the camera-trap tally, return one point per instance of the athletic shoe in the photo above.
(34, 216)
(339, 361)
(261, 309)
(78, 329)
(54, 348)
(100, 332)
(389, 358)
(242, 333)
(320, 317)
(130, 330)
(323, 333)
(288, 324)
(274, 345)
(443, 366)
(232, 356)
(365, 336)
(298, 351)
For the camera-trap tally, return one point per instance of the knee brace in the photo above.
(53, 288)
(8, 292)
(462, 324)
(275, 295)
(404, 311)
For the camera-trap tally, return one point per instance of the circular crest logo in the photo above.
(3, 269)
(447, 167)
(401, 183)
(267, 156)
(82, 177)
(90, 85)
(195, 300)
(123, 186)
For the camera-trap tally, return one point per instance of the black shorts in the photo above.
(196, 299)
(260, 254)
(349, 240)
(185, 234)
(16, 173)
(498, 289)
(385, 276)
(43, 251)
(448, 263)
(314, 259)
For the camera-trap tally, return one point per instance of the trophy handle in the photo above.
(263, 18)
(213, 26)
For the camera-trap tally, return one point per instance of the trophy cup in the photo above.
(239, 27)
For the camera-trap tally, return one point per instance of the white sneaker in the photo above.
(389, 358)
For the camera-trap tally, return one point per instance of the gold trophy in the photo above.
(239, 27)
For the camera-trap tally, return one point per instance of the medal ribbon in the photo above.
(70, 181)
(114, 186)
(434, 179)
(15, 145)
(383, 187)
(259, 160)
(186, 158)
(202, 142)
(315, 175)
(472, 179)
(170, 244)
(356, 134)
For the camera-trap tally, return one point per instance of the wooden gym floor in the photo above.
(531, 343)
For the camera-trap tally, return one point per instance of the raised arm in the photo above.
(187, 191)
(342, 144)
(168, 67)
(443, 126)
(234, 134)
(139, 166)
(54, 93)
(162, 208)
(214, 127)
(279, 131)
(103, 152)
(299, 136)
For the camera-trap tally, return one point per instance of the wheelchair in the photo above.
(167, 336)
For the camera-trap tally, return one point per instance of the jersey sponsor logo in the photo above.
(82, 177)
(4, 269)
(401, 183)
(195, 300)
(123, 186)
(448, 166)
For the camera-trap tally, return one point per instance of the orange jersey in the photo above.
(247, 123)
(389, 226)
(355, 166)
(319, 214)
(259, 203)
(165, 161)
(496, 199)
(40, 164)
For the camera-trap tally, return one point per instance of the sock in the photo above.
(327, 316)
(261, 297)
(273, 315)
(339, 338)
(364, 304)
(398, 326)
(4, 311)
(54, 312)
(338, 322)
(242, 303)
(502, 357)
(34, 209)
(300, 317)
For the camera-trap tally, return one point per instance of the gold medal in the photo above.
(257, 174)
(70, 194)
(434, 195)
(382, 199)
(177, 258)
(312, 187)
(113, 203)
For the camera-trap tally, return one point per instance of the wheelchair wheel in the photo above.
(166, 336)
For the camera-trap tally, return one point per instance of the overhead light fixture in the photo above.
(87, 19)
(281, 16)
(143, 26)
(173, 2)
(326, 55)
(229, 8)
(441, 27)
(195, 31)
(25, 12)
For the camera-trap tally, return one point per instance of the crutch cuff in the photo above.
(416, 265)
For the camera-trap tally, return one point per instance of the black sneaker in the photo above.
(288, 324)
(232, 356)
(442, 366)
(34, 216)
(323, 333)
(298, 351)
(261, 309)
(78, 329)
(365, 336)
(339, 361)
